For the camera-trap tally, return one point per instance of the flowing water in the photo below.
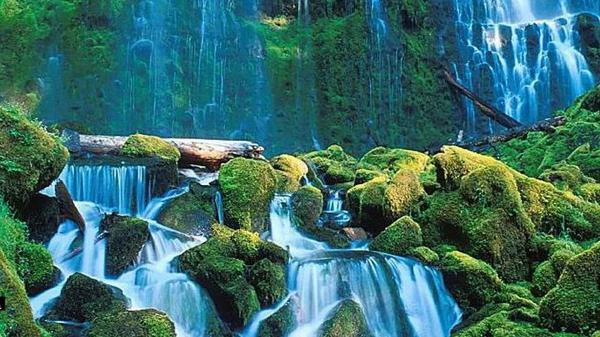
(153, 282)
(521, 55)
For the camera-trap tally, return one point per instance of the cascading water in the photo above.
(154, 282)
(402, 297)
(521, 55)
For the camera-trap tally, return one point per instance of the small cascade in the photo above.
(334, 215)
(219, 206)
(522, 56)
(125, 189)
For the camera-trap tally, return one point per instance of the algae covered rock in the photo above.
(307, 205)
(333, 164)
(83, 299)
(290, 172)
(574, 304)
(399, 238)
(150, 146)
(472, 282)
(247, 186)
(36, 268)
(425, 255)
(193, 212)
(30, 157)
(392, 160)
(141, 323)
(126, 237)
(280, 323)
(268, 279)
(347, 320)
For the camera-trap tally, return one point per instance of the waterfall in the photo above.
(125, 189)
(402, 297)
(521, 55)
(334, 214)
(154, 282)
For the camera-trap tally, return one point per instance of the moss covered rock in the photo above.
(472, 282)
(280, 323)
(83, 299)
(36, 268)
(248, 187)
(399, 238)
(565, 176)
(364, 175)
(392, 160)
(574, 304)
(150, 146)
(42, 216)
(17, 319)
(126, 237)
(142, 323)
(503, 324)
(333, 165)
(290, 172)
(30, 157)
(231, 266)
(307, 205)
(347, 320)
(193, 212)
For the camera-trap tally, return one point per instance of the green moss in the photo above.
(589, 192)
(472, 282)
(248, 187)
(347, 320)
(17, 319)
(400, 238)
(126, 237)
(290, 171)
(364, 175)
(501, 324)
(565, 177)
(402, 195)
(574, 304)
(84, 299)
(333, 164)
(544, 279)
(280, 323)
(425, 255)
(30, 158)
(268, 279)
(35, 267)
(150, 146)
(142, 323)
(193, 212)
(392, 160)
(307, 205)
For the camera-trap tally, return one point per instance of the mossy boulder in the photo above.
(141, 323)
(42, 216)
(290, 172)
(589, 192)
(392, 160)
(239, 270)
(30, 157)
(425, 255)
(472, 282)
(126, 237)
(347, 320)
(36, 268)
(574, 304)
(83, 299)
(150, 146)
(280, 323)
(399, 238)
(565, 176)
(247, 186)
(193, 212)
(333, 164)
(17, 319)
(505, 324)
(364, 175)
(307, 205)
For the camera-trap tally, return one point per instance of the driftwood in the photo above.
(546, 125)
(67, 207)
(203, 152)
(486, 108)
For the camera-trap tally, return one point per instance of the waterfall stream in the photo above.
(521, 55)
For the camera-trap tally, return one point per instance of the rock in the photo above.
(333, 164)
(565, 177)
(425, 255)
(355, 233)
(193, 212)
(68, 210)
(83, 299)
(307, 205)
(17, 319)
(36, 268)
(392, 160)
(589, 192)
(363, 176)
(247, 186)
(141, 323)
(504, 323)
(126, 238)
(574, 304)
(31, 157)
(399, 238)
(472, 282)
(268, 279)
(290, 172)
(280, 323)
(348, 320)
(150, 146)
(588, 27)
(42, 216)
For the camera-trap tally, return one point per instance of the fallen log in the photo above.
(486, 108)
(202, 152)
(67, 207)
(546, 125)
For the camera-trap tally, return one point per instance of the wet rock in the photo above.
(193, 212)
(126, 237)
(42, 216)
(355, 233)
(140, 323)
(348, 320)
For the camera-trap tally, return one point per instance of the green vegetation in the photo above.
(290, 171)
(126, 237)
(333, 165)
(280, 323)
(193, 212)
(307, 205)
(143, 323)
(399, 238)
(150, 146)
(347, 320)
(248, 187)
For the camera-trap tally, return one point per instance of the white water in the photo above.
(402, 298)
(522, 55)
(153, 282)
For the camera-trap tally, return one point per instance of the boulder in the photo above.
(140, 323)
(347, 320)
(280, 323)
(290, 172)
(36, 268)
(247, 186)
(42, 216)
(381, 159)
(126, 238)
(307, 205)
(268, 280)
(399, 238)
(332, 164)
(191, 213)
